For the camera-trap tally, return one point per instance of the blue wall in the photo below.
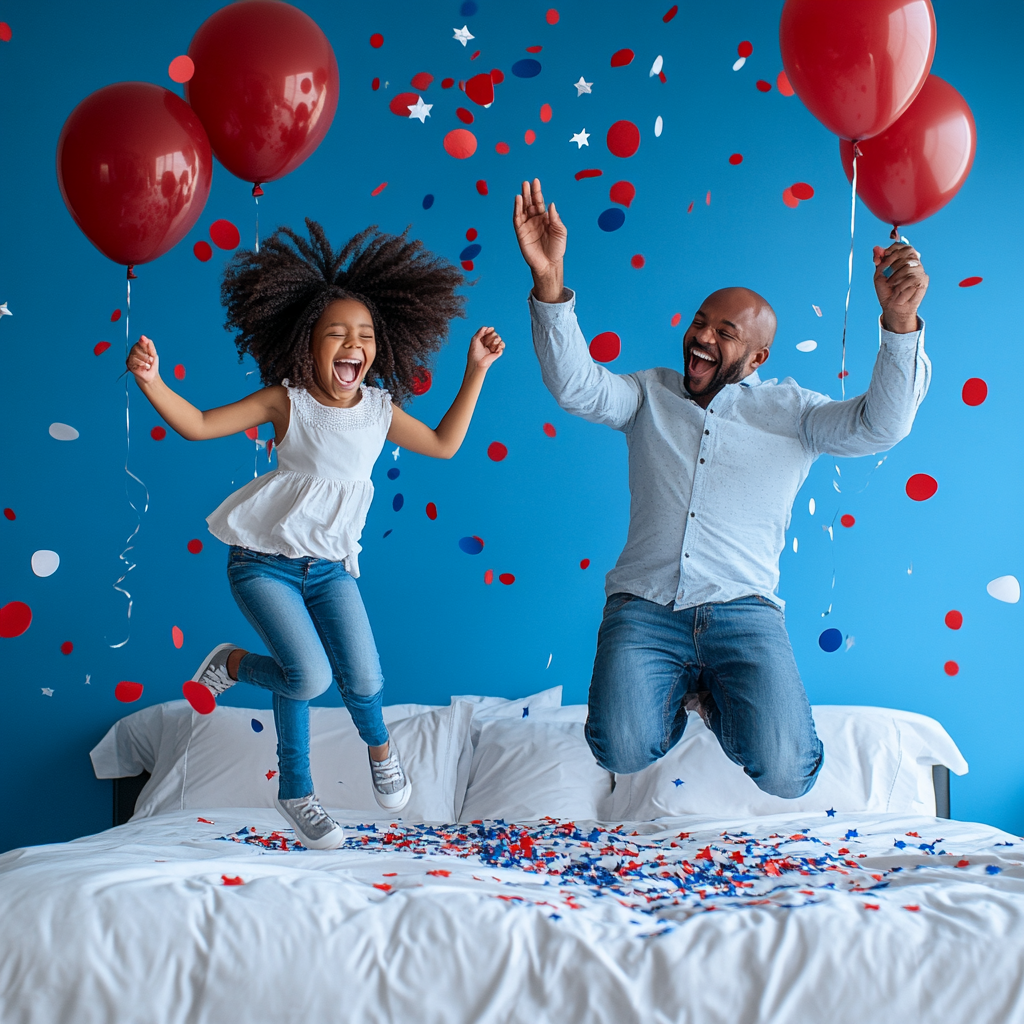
(551, 502)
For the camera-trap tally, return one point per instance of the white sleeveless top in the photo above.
(314, 504)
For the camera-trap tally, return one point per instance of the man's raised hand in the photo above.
(901, 292)
(542, 237)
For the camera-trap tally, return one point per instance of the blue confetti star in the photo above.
(526, 711)
(677, 782)
(852, 834)
(831, 812)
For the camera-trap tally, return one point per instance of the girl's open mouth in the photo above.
(346, 371)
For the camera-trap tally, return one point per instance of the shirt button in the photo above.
(692, 514)
(687, 555)
(702, 462)
(707, 431)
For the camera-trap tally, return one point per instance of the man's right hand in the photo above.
(542, 237)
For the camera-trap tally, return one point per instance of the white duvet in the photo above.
(851, 918)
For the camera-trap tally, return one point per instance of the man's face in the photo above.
(727, 340)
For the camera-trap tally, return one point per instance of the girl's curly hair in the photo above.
(274, 297)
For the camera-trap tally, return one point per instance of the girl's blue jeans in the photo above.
(308, 613)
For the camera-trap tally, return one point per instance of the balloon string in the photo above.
(849, 279)
(129, 546)
(256, 193)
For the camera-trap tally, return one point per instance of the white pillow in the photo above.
(500, 707)
(221, 760)
(537, 766)
(876, 759)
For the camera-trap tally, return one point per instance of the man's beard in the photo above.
(723, 375)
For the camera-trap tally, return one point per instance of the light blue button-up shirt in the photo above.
(712, 490)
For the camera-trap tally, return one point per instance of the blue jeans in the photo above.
(735, 655)
(309, 614)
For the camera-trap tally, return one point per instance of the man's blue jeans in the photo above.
(736, 654)
(309, 614)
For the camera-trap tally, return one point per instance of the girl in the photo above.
(317, 322)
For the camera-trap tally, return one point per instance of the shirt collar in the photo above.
(751, 380)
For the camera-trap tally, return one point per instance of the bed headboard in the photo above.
(127, 790)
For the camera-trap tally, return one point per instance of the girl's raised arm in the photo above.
(267, 405)
(442, 443)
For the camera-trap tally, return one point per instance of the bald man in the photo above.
(716, 457)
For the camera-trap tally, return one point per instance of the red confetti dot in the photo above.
(782, 84)
(954, 619)
(5, 31)
(707, 198)
(158, 433)
(920, 487)
(179, 372)
(375, 84)
(970, 282)
(229, 879)
(847, 520)
(480, 89)
(549, 429)
(670, 13)
(661, 76)
(789, 199)
(677, 319)
(745, 49)
(530, 137)
(496, 451)
(224, 234)
(481, 187)
(421, 82)
(421, 380)
(115, 316)
(9, 513)
(736, 158)
(534, 49)
(127, 692)
(100, 347)
(545, 112)
(801, 190)
(431, 510)
(471, 235)
(380, 188)
(476, 53)
(591, 172)
(447, 83)
(252, 433)
(467, 264)
(843, 373)
(623, 139)
(951, 668)
(460, 143)
(585, 564)
(763, 86)
(975, 391)
(15, 618)
(181, 69)
(637, 261)
(605, 347)
(489, 577)
(177, 637)
(400, 104)
(67, 647)
(195, 546)
(464, 115)
(551, 17)
(620, 58)
(376, 40)
(502, 148)
(202, 251)
(507, 578)
(622, 192)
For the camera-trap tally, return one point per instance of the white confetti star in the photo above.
(463, 35)
(582, 87)
(420, 109)
(4, 311)
(396, 453)
(88, 678)
(580, 138)
(46, 690)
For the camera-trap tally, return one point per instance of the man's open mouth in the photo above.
(346, 371)
(700, 361)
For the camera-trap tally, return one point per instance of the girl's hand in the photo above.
(143, 361)
(485, 347)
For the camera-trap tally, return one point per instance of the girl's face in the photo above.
(343, 350)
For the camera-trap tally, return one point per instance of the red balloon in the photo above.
(915, 167)
(857, 65)
(265, 87)
(134, 168)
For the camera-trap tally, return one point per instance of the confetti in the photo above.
(656, 66)
(502, 148)
(421, 82)
(400, 104)
(847, 521)
(970, 282)
(5, 32)
(471, 545)
(375, 84)
(47, 691)
(496, 451)
(745, 49)
(380, 188)
(951, 668)
(549, 430)
(67, 647)
(637, 262)
(195, 545)
(15, 618)
(830, 640)
(376, 40)
(622, 192)
(270, 774)
(224, 234)
(810, 506)
(954, 619)
(526, 68)
(581, 138)
(801, 190)
(529, 136)
(551, 17)
(974, 392)
(763, 86)
(127, 692)
(228, 880)
(422, 378)
(611, 219)
(100, 348)
(670, 13)
(181, 69)
(620, 58)
(623, 139)
(428, 201)
(1002, 588)
(658, 126)
(817, 310)
(508, 579)
(9, 512)
(782, 84)
(63, 432)
(591, 172)
(460, 143)
(735, 159)
(585, 563)
(920, 487)
(177, 637)
(179, 372)
(789, 199)
(398, 501)
(463, 35)
(546, 112)
(202, 251)
(115, 316)
(480, 89)
(45, 562)
(489, 577)
(393, 473)
(806, 346)
(605, 347)
(431, 511)
(582, 86)
(465, 116)
(470, 252)
(737, 64)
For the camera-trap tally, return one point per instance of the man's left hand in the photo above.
(901, 293)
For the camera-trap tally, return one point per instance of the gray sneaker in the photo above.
(391, 786)
(314, 827)
(210, 680)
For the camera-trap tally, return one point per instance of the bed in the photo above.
(856, 903)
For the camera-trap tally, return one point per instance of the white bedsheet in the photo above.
(163, 921)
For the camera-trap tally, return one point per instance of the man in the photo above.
(716, 457)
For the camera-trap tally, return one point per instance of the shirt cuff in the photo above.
(550, 312)
(896, 341)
